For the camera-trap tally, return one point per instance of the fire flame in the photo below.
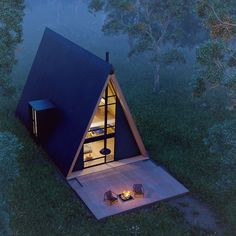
(126, 194)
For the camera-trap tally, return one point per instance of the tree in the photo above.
(216, 68)
(10, 147)
(221, 141)
(11, 16)
(219, 17)
(222, 138)
(216, 58)
(152, 26)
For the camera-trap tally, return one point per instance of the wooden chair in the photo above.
(110, 197)
(138, 190)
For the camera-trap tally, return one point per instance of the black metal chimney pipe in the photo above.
(107, 57)
(108, 60)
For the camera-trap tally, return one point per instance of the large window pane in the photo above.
(92, 150)
(111, 100)
(96, 152)
(98, 123)
(111, 114)
(102, 102)
(110, 146)
(110, 129)
(111, 90)
(94, 162)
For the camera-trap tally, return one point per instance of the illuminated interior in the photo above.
(100, 141)
(34, 122)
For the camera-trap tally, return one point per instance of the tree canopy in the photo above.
(216, 58)
(156, 27)
(11, 15)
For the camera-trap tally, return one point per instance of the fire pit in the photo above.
(125, 196)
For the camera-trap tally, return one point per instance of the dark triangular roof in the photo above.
(72, 79)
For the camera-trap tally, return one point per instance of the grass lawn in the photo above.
(172, 125)
(41, 203)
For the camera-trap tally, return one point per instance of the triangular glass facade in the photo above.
(99, 145)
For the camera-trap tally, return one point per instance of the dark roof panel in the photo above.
(71, 78)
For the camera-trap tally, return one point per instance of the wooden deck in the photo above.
(107, 166)
(158, 186)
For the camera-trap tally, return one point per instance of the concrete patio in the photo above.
(158, 185)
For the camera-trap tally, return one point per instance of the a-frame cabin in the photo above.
(74, 108)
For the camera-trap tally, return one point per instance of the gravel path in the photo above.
(198, 214)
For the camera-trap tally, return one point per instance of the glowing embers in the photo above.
(125, 196)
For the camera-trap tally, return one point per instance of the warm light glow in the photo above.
(126, 194)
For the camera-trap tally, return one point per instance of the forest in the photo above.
(176, 64)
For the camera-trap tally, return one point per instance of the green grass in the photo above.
(195, 213)
(43, 204)
(184, 204)
(172, 124)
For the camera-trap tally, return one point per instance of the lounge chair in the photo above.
(110, 197)
(138, 190)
